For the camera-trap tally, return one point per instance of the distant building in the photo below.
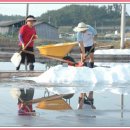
(111, 29)
(107, 29)
(9, 27)
(44, 30)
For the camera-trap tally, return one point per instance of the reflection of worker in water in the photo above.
(26, 109)
(86, 102)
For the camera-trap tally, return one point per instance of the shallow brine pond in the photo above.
(109, 110)
(112, 102)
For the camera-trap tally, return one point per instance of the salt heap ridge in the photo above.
(70, 74)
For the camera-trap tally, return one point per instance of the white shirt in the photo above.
(87, 37)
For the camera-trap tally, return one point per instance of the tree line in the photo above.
(94, 15)
(9, 18)
(71, 15)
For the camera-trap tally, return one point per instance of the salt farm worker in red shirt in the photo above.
(86, 36)
(25, 33)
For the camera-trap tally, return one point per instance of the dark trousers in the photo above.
(30, 58)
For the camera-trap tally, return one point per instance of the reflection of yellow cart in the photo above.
(53, 102)
(57, 51)
(56, 102)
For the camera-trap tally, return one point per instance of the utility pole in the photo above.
(122, 104)
(49, 20)
(95, 24)
(27, 9)
(123, 26)
(102, 27)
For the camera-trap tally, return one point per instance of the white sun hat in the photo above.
(31, 19)
(81, 27)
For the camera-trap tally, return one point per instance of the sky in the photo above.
(35, 9)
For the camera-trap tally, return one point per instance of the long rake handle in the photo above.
(88, 53)
(53, 97)
(59, 59)
(51, 57)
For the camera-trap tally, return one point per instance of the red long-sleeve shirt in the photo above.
(26, 33)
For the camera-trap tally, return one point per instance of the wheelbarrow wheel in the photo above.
(69, 58)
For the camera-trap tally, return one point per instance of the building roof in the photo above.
(9, 23)
(40, 22)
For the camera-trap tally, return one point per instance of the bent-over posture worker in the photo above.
(86, 37)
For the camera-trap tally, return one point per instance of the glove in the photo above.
(22, 46)
(36, 36)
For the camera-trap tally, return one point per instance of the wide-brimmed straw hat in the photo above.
(81, 27)
(31, 18)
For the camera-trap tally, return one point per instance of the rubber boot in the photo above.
(17, 68)
(29, 94)
(86, 64)
(31, 67)
(91, 64)
(22, 96)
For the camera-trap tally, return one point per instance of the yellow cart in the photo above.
(58, 51)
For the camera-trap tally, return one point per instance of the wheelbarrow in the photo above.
(59, 52)
(56, 50)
